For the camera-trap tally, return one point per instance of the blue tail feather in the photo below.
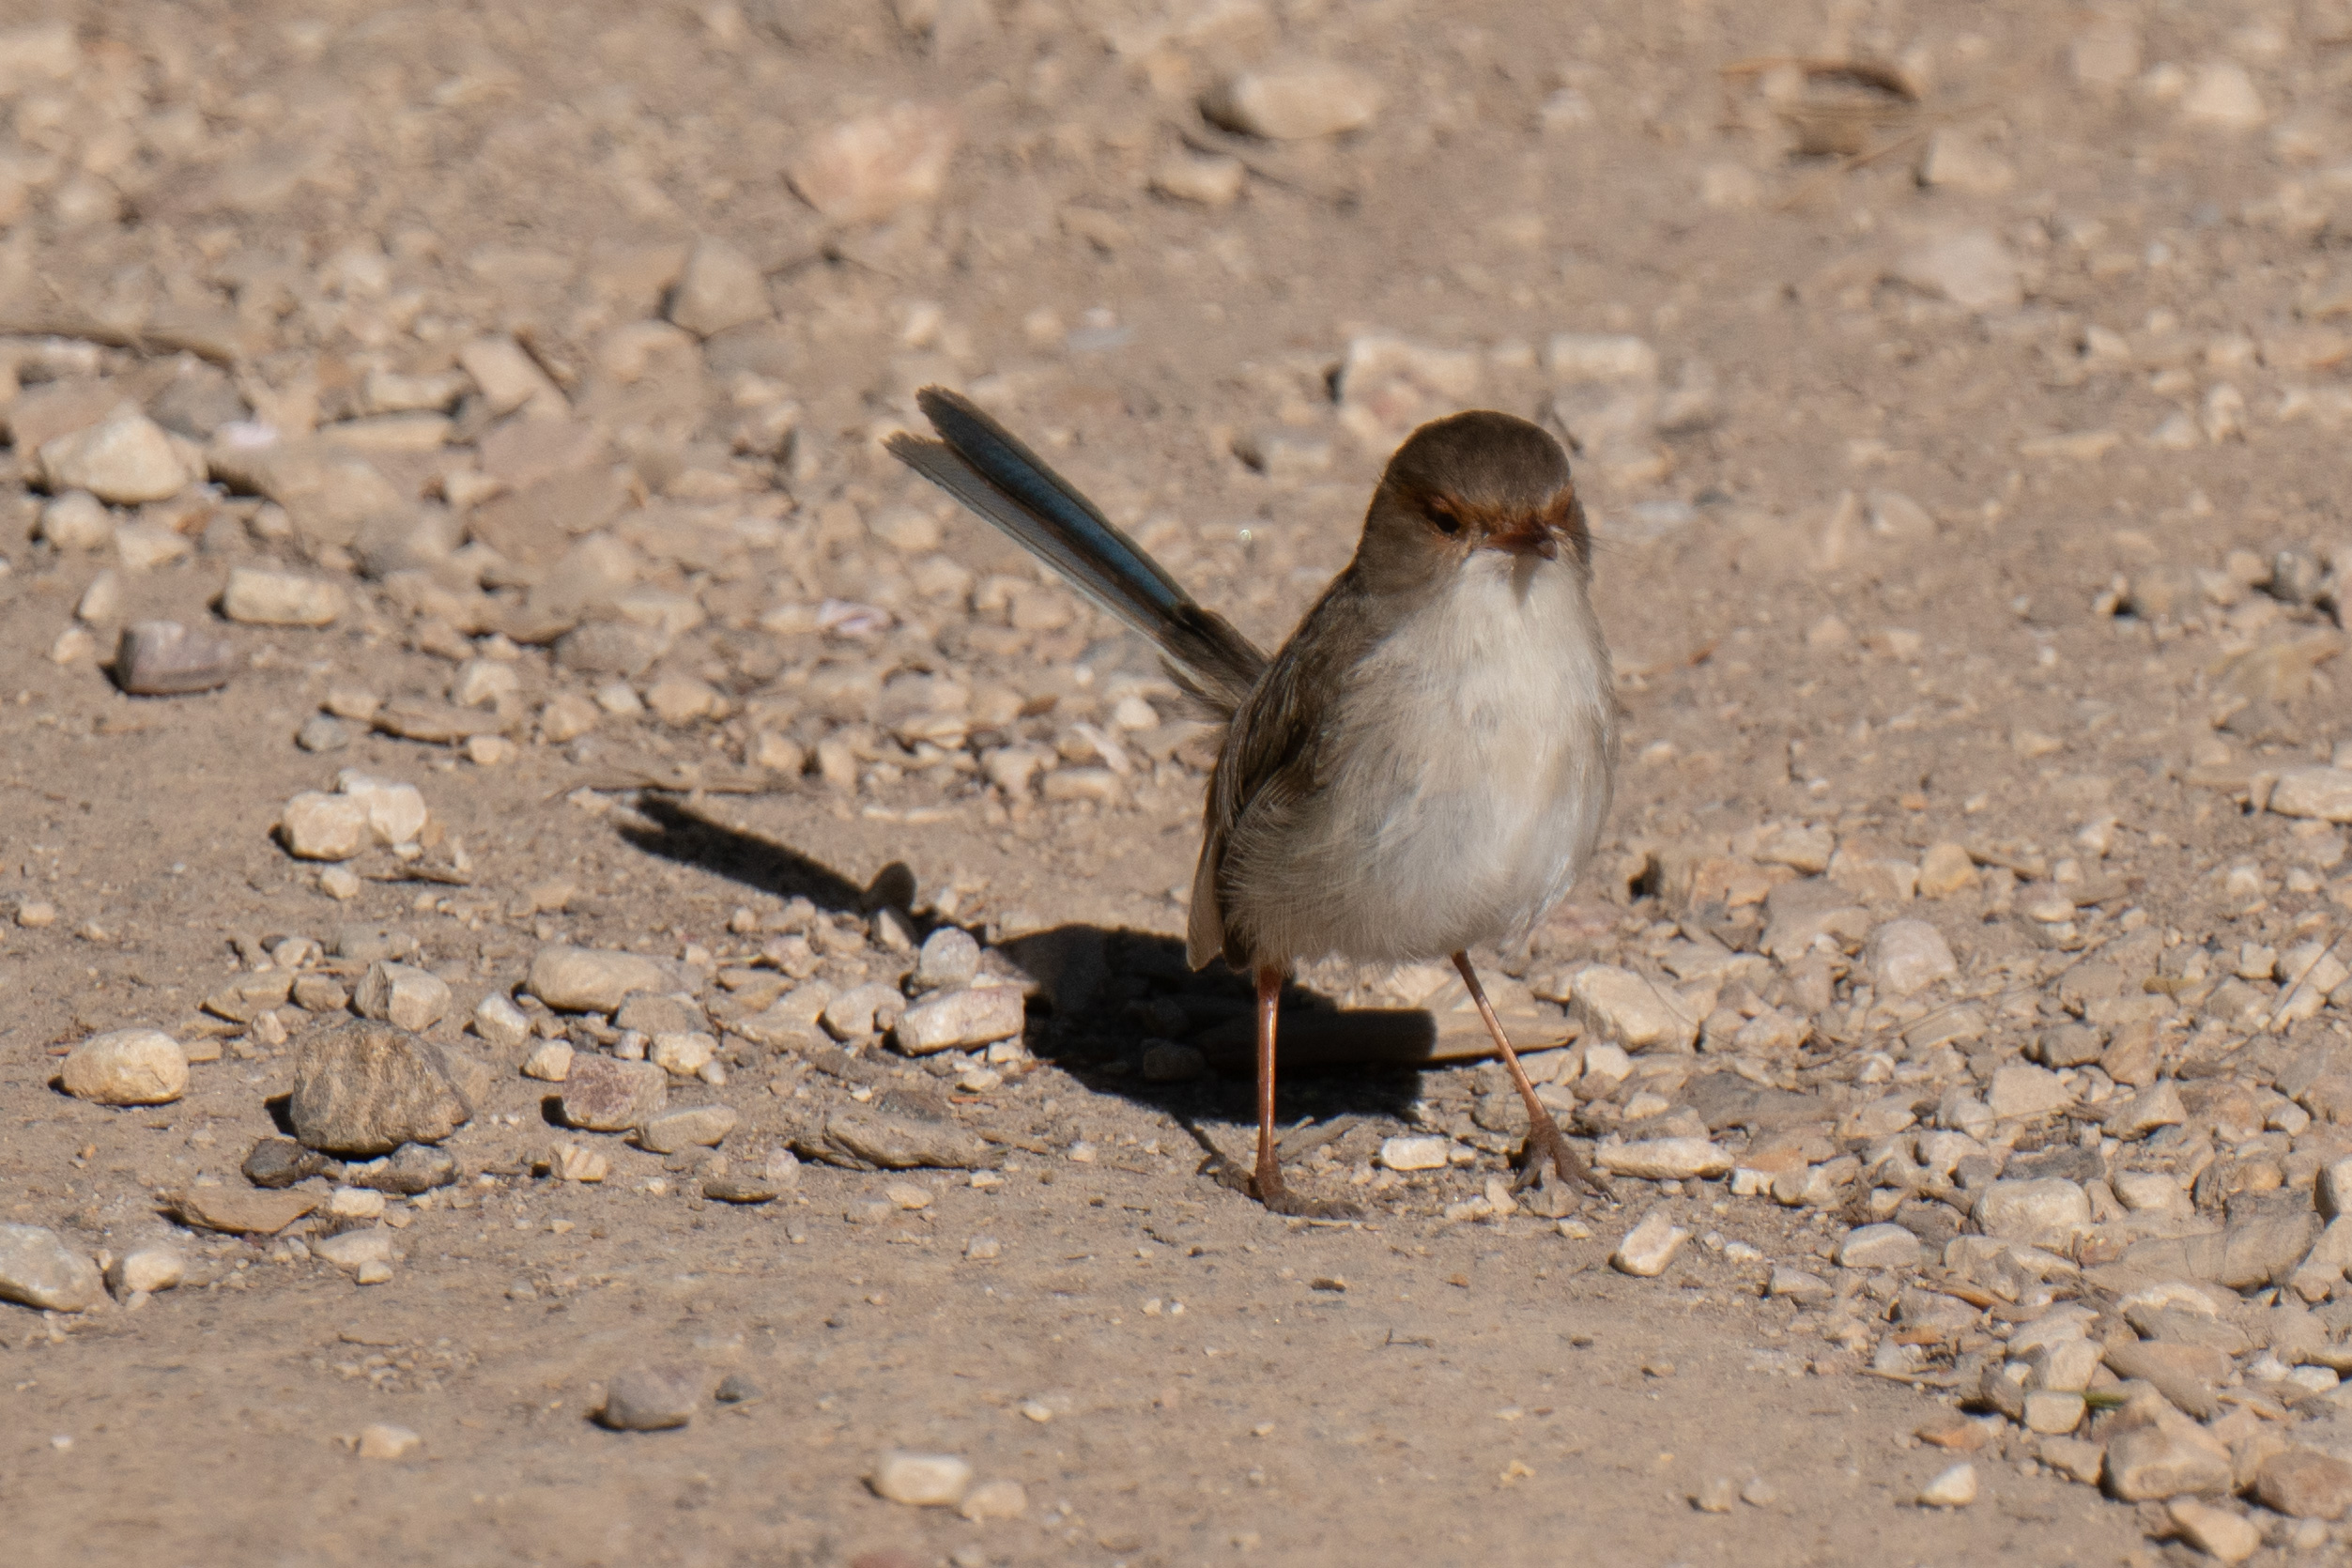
(990, 471)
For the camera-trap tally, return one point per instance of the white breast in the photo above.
(1473, 756)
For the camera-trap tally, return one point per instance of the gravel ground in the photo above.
(593, 974)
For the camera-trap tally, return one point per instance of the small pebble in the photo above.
(40, 1270)
(260, 596)
(499, 1022)
(1953, 1488)
(1416, 1154)
(2220, 1533)
(1650, 1246)
(550, 1061)
(921, 1479)
(948, 958)
(994, 1500)
(384, 1441)
(163, 658)
(1295, 103)
(147, 1269)
(128, 1066)
(402, 995)
(651, 1399)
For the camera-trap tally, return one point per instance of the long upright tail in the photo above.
(987, 468)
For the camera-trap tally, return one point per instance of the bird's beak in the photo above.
(1533, 536)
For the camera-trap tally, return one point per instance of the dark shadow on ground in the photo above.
(1114, 991)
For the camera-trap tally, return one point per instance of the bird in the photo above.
(1424, 767)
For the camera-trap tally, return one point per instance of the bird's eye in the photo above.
(1444, 522)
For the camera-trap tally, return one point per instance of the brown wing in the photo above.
(1271, 764)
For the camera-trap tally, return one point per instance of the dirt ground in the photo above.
(1960, 395)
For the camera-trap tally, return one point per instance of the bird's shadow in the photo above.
(1115, 992)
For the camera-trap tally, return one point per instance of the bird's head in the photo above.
(1470, 483)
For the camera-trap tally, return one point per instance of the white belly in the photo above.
(1472, 779)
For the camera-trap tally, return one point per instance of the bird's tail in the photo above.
(987, 468)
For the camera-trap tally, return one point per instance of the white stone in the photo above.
(396, 811)
(2021, 1093)
(499, 1022)
(125, 458)
(77, 520)
(1879, 1246)
(143, 545)
(1906, 956)
(1416, 1154)
(1953, 1488)
(2219, 1533)
(949, 957)
(481, 683)
(1665, 1159)
(2066, 1366)
(550, 1061)
(2157, 1105)
(861, 171)
(1632, 1009)
(687, 1127)
(355, 1203)
(1295, 103)
(2309, 974)
(382, 1440)
(353, 1249)
(682, 1053)
(259, 596)
(40, 1271)
(2053, 1412)
(128, 1066)
(921, 1479)
(2048, 1212)
(1798, 1285)
(148, 1269)
(2324, 794)
(402, 995)
(958, 1019)
(589, 980)
(2145, 1192)
(1213, 181)
(319, 826)
(1650, 1246)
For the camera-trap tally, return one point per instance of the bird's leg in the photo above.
(1269, 1171)
(1545, 1144)
(1267, 1183)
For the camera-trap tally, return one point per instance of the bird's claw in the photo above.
(1555, 1175)
(1281, 1200)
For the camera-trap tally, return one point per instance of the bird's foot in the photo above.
(1555, 1174)
(1278, 1199)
